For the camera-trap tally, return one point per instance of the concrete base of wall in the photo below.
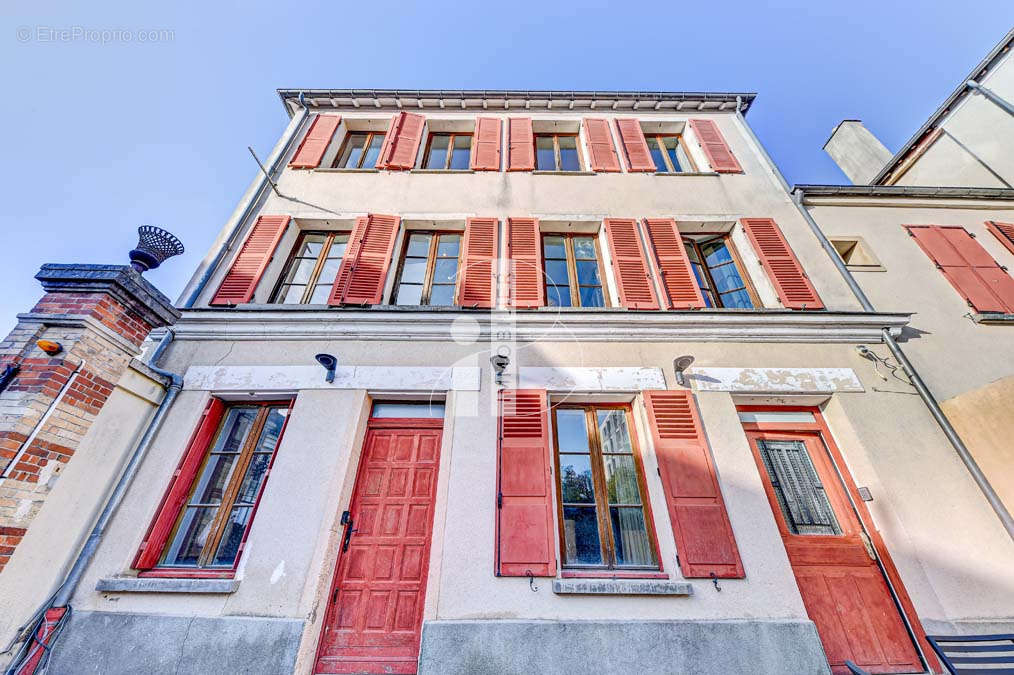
(112, 643)
(1003, 626)
(605, 647)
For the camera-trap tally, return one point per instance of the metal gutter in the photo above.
(992, 96)
(904, 191)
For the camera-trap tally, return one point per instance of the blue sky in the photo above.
(102, 138)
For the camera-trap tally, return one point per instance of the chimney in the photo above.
(856, 151)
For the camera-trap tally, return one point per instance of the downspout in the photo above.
(48, 619)
(1003, 103)
(938, 414)
(230, 241)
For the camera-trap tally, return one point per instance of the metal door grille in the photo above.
(797, 488)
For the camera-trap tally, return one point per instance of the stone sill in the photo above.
(620, 587)
(564, 173)
(993, 318)
(158, 585)
(687, 173)
(345, 170)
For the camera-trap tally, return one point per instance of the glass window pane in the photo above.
(581, 536)
(576, 484)
(591, 296)
(737, 299)
(438, 151)
(251, 484)
(301, 270)
(291, 295)
(413, 271)
(461, 152)
(726, 278)
(234, 430)
(352, 151)
(797, 487)
(312, 245)
(709, 298)
(558, 296)
(613, 431)
(272, 429)
(448, 245)
(409, 294)
(571, 430)
(588, 272)
(554, 247)
(684, 160)
(418, 244)
(434, 409)
(442, 296)
(672, 148)
(190, 537)
(657, 156)
(630, 536)
(715, 252)
(329, 270)
(556, 272)
(228, 547)
(445, 270)
(702, 280)
(373, 152)
(321, 294)
(777, 416)
(568, 154)
(338, 245)
(545, 155)
(688, 244)
(214, 477)
(621, 479)
(584, 248)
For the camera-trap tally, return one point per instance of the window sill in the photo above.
(621, 587)
(442, 171)
(563, 173)
(612, 574)
(345, 170)
(866, 268)
(687, 173)
(993, 318)
(163, 585)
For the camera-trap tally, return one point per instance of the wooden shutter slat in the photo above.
(254, 255)
(705, 542)
(600, 145)
(486, 144)
(635, 146)
(477, 284)
(1002, 231)
(520, 144)
(401, 145)
(524, 252)
(179, 486)
(714, 146)
(629, 265)
(973, 272)
(790, 281)
(678, 280)
(525, 537)
(311, 150)
(360, 279)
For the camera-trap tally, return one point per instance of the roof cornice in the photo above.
(923, 192)
(515, 99)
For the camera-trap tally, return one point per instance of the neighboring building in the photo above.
(510, 470)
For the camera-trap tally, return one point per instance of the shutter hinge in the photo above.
(658, 471)
(971, 234)
(499, 500)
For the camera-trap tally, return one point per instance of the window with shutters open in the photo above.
(557, 152)
(573, 271)
(428, 272)
(448, 151)
(669, 153)
(718, 271)
(311, 269)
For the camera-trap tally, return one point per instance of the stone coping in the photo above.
(120, 281)
(160, 585)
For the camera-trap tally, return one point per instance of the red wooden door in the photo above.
(374, 614)
(842, 586)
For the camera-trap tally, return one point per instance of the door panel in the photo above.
(842, 587)
(374, 615)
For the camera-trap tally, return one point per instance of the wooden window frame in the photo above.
(362, 155)
(556, 151)
(450, 149)
(431, 262)
(572, 281)
(225, 506)
(606, 543)
(736, 260)
(311, 283)
(658, 140)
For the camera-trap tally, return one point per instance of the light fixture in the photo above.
(50, 347)
(330, 363)
(680, 364)
(500, 363)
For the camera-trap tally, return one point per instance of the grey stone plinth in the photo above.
(498, 647)
(152, 585)
(120, 281)
(620, 587)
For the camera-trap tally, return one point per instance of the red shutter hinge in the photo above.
(499, 500)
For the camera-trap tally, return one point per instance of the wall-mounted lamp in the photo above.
(500, 363)
(680, 364)
(50, 347)
(330, 363)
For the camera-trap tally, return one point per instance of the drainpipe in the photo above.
(938, 414)
(230, 240)
(48, 619)
(992, 96)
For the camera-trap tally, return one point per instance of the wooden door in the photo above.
(833, 560)
(374, 613)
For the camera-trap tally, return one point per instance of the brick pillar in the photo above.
(100, 314)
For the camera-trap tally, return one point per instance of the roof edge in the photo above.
(904, 191)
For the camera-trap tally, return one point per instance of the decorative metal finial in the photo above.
(154, 247)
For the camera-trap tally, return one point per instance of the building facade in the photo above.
(517, 382)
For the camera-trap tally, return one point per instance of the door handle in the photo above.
(348, 534)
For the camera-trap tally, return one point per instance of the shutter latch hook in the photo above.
(714, 580)
(531, 581)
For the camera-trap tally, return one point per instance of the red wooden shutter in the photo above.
(600, 145)
(791, 283)
(705, 543)
(477, 279)
(678, 280)
(486, 145)
(968, 266)
(520, 144)
(1002, 231)
(360, 279)
(524, 250)
(401, 144)
(710, 139)
(629, 265)
(635, 148)
(525, 537)
(254, 255)
(315, 143)
(179, 486)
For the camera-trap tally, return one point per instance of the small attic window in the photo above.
(857, 254)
